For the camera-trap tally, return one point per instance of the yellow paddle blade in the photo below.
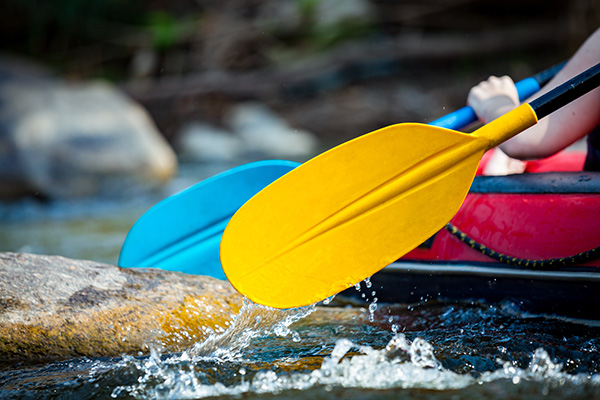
(347, 213)
(371, 195)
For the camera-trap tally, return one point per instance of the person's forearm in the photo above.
(525, 146)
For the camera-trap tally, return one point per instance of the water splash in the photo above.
(372, 300)
(252, 321)
(540, 369)
(328, 300)
(401, 364)
(177, 376)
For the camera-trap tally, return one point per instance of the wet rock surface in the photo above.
(54, 308)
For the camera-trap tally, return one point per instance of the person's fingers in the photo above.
(492, 95)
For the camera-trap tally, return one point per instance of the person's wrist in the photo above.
(495, 108)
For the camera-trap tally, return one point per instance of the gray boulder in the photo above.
(66, 140)
(203, 142)
(54, 308)
(252, 131)
(265, 133)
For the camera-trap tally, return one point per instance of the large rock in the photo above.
(202, 142)
(254, 131)
(66, 140)
(55, 308)
(264, 132)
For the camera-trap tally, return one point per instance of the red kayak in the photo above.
(538, 216)
(531, 239)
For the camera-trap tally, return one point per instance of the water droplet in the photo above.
(372, 308)
(296, 337)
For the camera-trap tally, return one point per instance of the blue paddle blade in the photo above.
(183, 232)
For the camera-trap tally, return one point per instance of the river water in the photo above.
(427, 351)
(378, 351)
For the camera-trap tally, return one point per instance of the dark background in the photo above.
(193, 59)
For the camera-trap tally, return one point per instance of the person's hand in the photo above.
(501, 164)
(493, 98)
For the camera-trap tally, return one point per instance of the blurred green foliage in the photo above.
(324, 36)
(307, 7)
(90, 38)
(163, 27)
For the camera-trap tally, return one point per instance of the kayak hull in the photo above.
(527, 217)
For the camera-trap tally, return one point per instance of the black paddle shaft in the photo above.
(567, 92)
